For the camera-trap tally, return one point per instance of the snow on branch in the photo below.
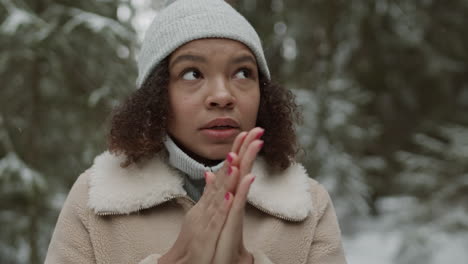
(17, 17)
(12, 166)
(95, 22)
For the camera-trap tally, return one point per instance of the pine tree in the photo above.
(63, 66)
(309, 49)
(384, 89)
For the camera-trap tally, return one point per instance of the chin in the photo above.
(217, 152)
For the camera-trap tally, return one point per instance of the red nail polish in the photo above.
(229, 170)
(261, 145)
(229, 157)
(260, 134)
(252, 180)
(227, 196)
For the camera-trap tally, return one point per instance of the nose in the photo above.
(220, 95)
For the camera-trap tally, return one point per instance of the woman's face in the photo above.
(214, 94)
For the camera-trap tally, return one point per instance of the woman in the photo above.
(200, 167)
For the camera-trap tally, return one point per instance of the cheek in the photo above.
(183, 108)
(181, 105)
(250, 106)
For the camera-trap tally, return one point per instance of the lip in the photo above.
(221, 134)
(223, 121)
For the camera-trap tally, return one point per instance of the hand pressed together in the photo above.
(212, 229)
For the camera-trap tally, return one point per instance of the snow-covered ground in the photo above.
(375, 247)
(371, 247)
(389, 239)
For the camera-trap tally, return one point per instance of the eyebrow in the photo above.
(188, 57)
(242, 59)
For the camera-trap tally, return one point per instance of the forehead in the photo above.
(212, 46)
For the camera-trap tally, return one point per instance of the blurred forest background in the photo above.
(383, 86)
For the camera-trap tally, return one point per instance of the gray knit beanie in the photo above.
(185, 20)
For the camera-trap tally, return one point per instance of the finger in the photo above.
(230, 239)
(238, 142)
(230, 185)
(224, 246)
(254, 134)
(234, 159)
(209, 190)
(216, 222)
(214, 201)
(238, 206)
(221, 173)
(231, 182)
(234, 221)
(207, 218)
(249, 157)
(209, 180)
(213, 193)
(236, 212)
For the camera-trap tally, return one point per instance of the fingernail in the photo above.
(260, 134)
(261, 145)
(206, 175)
(229, 170)
(227, 196)
(229, 157)
(252, 180)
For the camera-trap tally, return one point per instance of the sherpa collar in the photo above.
(117, 190)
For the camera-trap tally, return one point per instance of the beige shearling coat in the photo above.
(133, 215)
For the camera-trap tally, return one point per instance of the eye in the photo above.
(191, 74)
(243, 74)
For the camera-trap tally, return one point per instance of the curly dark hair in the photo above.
(138, 125)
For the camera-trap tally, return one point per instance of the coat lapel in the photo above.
(113, 189)
(117, 190)
(284, 194)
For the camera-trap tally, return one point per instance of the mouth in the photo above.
(221, 129)
(221, 124)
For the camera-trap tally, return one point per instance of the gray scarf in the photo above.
(193, 170)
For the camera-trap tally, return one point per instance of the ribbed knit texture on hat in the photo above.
(180, 160)
(187, 20)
